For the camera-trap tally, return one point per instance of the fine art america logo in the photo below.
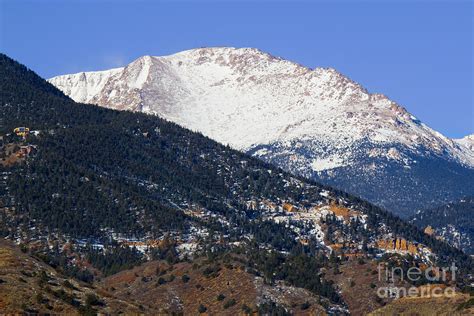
(436, 278)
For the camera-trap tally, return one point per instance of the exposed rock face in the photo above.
(429, 230)
(399, 244)
(313, 122)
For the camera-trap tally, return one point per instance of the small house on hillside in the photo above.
(22, 131)
(289, 207)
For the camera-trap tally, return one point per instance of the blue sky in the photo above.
(419, 53)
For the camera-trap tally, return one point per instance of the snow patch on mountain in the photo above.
(327, 163)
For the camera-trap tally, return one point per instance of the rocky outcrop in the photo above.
(399, 245)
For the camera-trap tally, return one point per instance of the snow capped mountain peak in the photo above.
(247, 97)
(313, 122)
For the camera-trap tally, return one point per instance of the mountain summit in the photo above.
(313, 122)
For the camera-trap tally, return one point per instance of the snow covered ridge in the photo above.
(245, 97)
(467, 142)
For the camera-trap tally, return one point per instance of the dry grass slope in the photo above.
(29, 285)
(223, 289)
(418, 306)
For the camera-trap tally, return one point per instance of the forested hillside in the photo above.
(452, 222)
(114, 189)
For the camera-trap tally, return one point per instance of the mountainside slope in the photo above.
(96, 191)
(452, 222)
(315, 123)
(185, 287)
(30, 286)
(155, 160)
(458, 305)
